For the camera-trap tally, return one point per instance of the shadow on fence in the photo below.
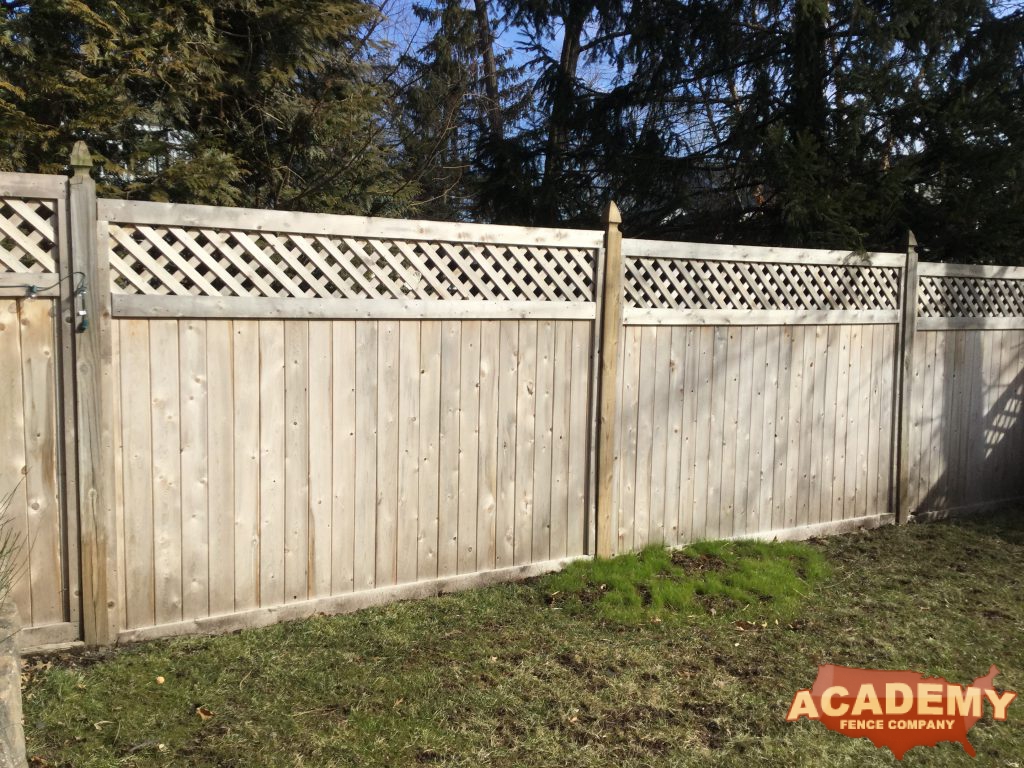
(979, 459)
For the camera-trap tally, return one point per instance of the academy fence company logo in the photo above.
(898, 710)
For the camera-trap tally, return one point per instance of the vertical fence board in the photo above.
(296, 460)
(561, 411)
(797, 403)
(677, 480)
(730, 433)
(388, 348)
(195, 466)
(756, 485)
(409, 450)
(365, 489)
(886, 427)
(579, 436)
(925, 411)
(645, 435)
(764, 477)
(854, 396)
(164, 368)
(272, 463)
(137, 478)
(874, 368)
(807, 424)
(763, 423)
(525, 420)
(628, 433)
(119, 509)
(720, 372)
(543, 420)
(487, 451)
(657, 527)
(780, 448)
(43, 542)
(468, 446)
(220, 428)
(962, 361)
(702, 430)
(429, 449)
(320, 532)
(974, 470)
(935, 467)
(830, 407)
(448, 514)
(863, 369)
(837, 485)
(247, 448)
(12, 448)
(817, 508)
(742, 429)
(343, 460)
(508, 388)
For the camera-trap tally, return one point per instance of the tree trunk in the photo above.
(486, 44)
(562, 98)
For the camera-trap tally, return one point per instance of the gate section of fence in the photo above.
(37, 287)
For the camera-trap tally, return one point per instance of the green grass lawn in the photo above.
(650, 660)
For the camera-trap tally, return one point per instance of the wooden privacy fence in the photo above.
(224, 417)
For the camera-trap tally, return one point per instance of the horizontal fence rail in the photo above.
(281, 413)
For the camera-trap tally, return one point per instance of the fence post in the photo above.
(908, 328)
(611, 326)
(94, 401)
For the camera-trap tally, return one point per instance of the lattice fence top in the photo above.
(27, 239)
(950, 296)
(197, 261)
(663, 283)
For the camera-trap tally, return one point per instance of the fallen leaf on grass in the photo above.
(204, 713)
(98, 725)
(745, 626)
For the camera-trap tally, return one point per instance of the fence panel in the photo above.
(418, 411)
(968, 388)
(756, 391)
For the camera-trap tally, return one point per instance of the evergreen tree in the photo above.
(235, 102)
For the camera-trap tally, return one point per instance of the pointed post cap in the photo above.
(611, 213)
(81, 160)
(911, 240)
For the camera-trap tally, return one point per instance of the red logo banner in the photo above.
(898, 710)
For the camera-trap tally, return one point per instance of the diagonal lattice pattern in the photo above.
(161, 260)
(27, 240)
(970, 297)
(696, 284)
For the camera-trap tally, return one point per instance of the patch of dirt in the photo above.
(33, 664)
(699, 564)
(992, 614)
(645, 594)
(716, 604)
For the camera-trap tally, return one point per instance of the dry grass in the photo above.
(518, 675)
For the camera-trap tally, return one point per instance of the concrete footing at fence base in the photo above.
(12, 734)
